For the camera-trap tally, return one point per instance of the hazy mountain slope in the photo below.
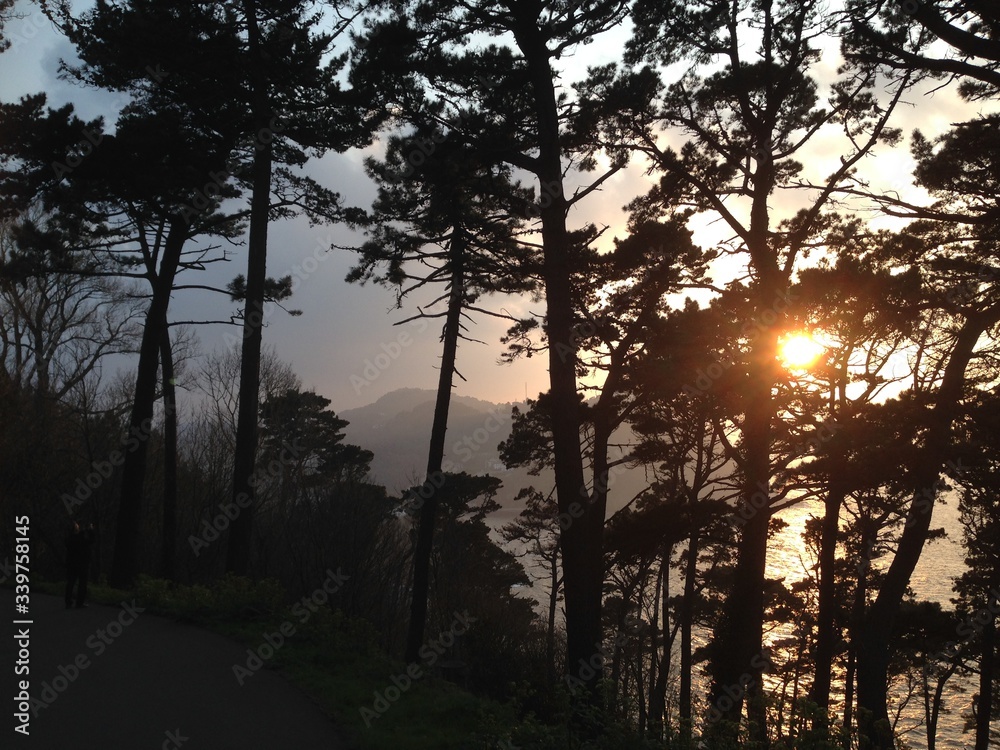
(397, 429)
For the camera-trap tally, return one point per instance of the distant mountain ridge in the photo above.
(397, 429)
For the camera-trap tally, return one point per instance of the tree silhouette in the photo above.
(254, 83)
(960, 282)
(979, 587)
(903, 36)
(532, 127)
(145, 217)
(748, 116)
(443, 217)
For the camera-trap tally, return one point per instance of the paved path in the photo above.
(143, 682)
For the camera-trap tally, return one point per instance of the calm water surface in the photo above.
(940, 564)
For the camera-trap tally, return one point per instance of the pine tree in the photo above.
(253, 80)
(530, 126)
(749, 105)
(445, 214)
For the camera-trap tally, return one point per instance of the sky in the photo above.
(349, 343)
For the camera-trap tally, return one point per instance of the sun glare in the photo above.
(799, 351)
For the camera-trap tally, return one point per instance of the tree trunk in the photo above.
(125, 557)
(875, 647)
(245, 452)
(659, 647)
(581, 520)
(739, 660)
(849, 674)
(868, 534)
(436, 481)
(934, 702)
(621, 639)
(984, 706)
(169, 458)
(827, 634)
(738, 673)
(550, 631)
(687, 643)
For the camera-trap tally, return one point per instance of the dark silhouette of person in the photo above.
(78, 544)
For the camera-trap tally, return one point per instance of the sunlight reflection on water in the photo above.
(941, 562)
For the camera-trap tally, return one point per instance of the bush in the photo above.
(231, 597)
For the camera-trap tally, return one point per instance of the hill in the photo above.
(397, 429)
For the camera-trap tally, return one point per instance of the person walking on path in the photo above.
(78, 544)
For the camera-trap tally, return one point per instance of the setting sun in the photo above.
(799, 351)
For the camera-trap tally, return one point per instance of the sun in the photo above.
(799, 351)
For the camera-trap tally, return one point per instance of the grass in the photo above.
(333, 659)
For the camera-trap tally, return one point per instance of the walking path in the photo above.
(114, 678)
